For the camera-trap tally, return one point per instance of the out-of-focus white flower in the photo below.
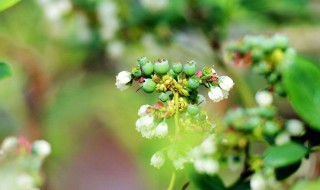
(295, 127)
(145, 125)
(226, 83)
(207, 166)
(258, 182)
(282, 138)
(157, 159)
(25, 181)
(107, 14)
(42, 148)
(211, 166)
(82, 30)
(215, 93)
(208, 146)
(213, 71)
(202, 100)
(143, 110)
(161, 130)
(54, 10)
(9, 143)
(122, 79)
(225, 94)
(264, 98)
(157, 5)
(115, 49)
(179, 163)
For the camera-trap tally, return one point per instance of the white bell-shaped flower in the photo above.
(264, 98)
(122, 79)
(258, 182)
(215, 93)
(295, 127)
(226, 83)
(42, 148)
(143, 110)
(282, 138)
(157, 159)
(161, 129)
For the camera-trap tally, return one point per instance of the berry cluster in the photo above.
(266, 54)
(179, 98)
(21, 163)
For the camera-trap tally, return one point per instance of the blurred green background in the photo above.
(65, 54)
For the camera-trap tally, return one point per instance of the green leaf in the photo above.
(304, 184)
(4, 4)
(284, 155)
(302, 81)
(4, 70)
(206, 182)
(286, 171)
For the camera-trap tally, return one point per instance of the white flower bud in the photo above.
(211, 166)
(257, 182)
(295, 127)
(215, 93)
(225, 94)
(226, 83)
(155, 5)
(161, 130)
(157, 159)
(199, 166)
(25, 181)
(143, 110)
(208, 146)
(213, 71)
(9, 143)
(179, 163)
(122, 79)
(264, 98)
(42, 148)
(282, 138)
(147, 121)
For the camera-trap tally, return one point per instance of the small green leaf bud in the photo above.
(136, 72)
(142, 60)
(163, 97)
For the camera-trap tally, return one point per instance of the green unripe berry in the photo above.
(256, 55)
(163, 97)
(273, 77)
(136, 72)
(193, 84)
(279, 88)
(147, 68)
(190, 68)
(268, 45)
(161, 67)
(142, 60)
(271, 128)
(280, 42)
(177, 68)
(193, 109)
(149, 86)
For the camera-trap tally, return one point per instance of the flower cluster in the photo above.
(266, 54)
(242, 128)
(179, 98)
(21, 162)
